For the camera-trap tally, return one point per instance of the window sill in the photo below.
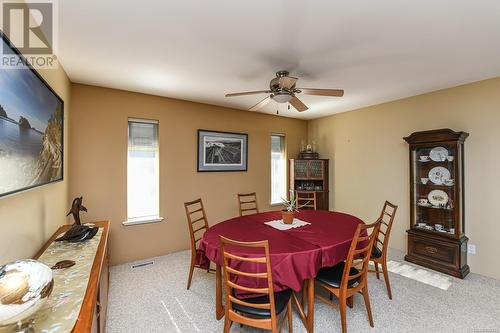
(142, 220)
(276, 204)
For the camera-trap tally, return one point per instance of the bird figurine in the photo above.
(76, 207)
(78, 232)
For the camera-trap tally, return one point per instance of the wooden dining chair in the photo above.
(344, 280)
(248, 203)
(198, 224)
(256, 311)
(379, 250)
(306, 199)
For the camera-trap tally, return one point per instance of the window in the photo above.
(278, 168)
(143, 171)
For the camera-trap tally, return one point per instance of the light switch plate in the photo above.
(471, 249)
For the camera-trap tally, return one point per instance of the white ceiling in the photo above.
(199, 50)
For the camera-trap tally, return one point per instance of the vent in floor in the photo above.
(142, 264)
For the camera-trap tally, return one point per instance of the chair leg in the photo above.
(289, 314)
(376, 270)
(191, 269)
(227, 325)
(386, 279)
(367, 304)
(342, 310)
(303, 296)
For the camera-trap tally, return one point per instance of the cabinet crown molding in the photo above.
(438, 135)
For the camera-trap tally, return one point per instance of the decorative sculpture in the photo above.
(25, 286)
(76, 207)
(309, 152)
(64, 264)
(78, 232)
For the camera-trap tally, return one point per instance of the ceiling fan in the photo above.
(282, 90)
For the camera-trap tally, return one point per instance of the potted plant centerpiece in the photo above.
(291, 206)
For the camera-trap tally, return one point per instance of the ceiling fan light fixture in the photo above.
(282, 97)
(282, 90)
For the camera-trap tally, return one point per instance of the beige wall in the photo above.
(28, 219)
(369, 159)
(369, 164)
(98, 160)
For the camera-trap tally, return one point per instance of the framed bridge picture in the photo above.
(31, 127)
(222, 151)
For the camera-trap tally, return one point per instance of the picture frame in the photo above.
(31, 128)
(222, 151)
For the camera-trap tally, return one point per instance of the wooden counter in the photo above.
(92, 317)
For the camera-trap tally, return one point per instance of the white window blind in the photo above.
(278, 168)
(142, 169)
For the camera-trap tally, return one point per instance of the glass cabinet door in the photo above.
(300, 169)
(434, 191)
(316, 169)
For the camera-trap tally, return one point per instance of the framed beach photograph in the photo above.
(222, 151)
(31, 128)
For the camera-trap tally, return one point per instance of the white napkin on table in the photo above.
(280, 225)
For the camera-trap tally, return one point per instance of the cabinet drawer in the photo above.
(441, 252)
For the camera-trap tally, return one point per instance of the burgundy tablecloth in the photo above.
(296, 254)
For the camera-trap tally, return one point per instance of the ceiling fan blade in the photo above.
(261, 104)
(287, 82)
(297, 104)
(248, 93)
(323, 92)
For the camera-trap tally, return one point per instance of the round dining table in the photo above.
(296, 254)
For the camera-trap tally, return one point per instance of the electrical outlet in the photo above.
(471, 249)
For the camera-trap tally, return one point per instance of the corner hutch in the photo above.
(436, 238)
(311, 175)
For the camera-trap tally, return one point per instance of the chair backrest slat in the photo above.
(258, 306)
(255, 275)
(362, 250)
(199, 229)
(198, 219)
(248, 289)
(249, 259)
(248, 203)
(196, 210)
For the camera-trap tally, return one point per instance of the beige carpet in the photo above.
(154, 299)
